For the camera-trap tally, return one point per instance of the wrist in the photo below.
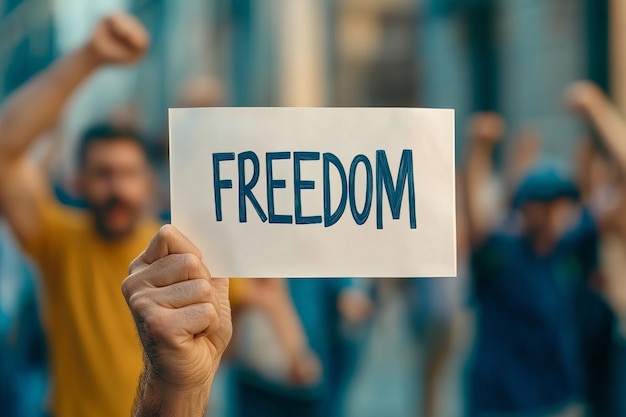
(591, 101)
(480, 149)
(89, 57)
(484, 142)
(161, 398)
(289, 328)
(279, 306)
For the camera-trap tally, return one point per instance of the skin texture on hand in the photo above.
(183, 318)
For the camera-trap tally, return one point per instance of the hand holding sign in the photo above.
(183, 320)
(297, 192)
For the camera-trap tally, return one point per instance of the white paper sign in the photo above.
(316, 192)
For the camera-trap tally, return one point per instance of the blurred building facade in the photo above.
(515, 57)
(27, 41)
(512, 56)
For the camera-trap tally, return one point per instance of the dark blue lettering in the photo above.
(245, 190)
(272, 184)
(299, 184)
(218, 183)
(332, 218)
(361, 217)
(394, 193)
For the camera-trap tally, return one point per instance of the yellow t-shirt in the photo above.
(236, 291)
(95, 353)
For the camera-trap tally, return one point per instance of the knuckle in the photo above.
(140, 304)
(155, 323)
(127, 288)
(166, 233)
(212, 318)
(196, 312)
(190, 261)
(134, 265)
(204, 288)
(209, 313)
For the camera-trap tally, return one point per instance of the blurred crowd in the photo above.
(536, 316)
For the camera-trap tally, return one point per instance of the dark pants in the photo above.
(256, 397)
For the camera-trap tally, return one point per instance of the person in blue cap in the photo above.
(541, 331)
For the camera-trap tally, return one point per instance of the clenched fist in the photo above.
(118, 39)
(581, 96)
(486, 128)
(183, 319)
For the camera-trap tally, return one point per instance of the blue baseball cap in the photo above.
(545, 182)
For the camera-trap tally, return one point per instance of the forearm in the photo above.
(157, 398)
(288, 328)
(610, 125)
(479, 172)
(36, 106)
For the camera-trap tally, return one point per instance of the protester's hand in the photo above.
(486, 128)
(183, 319)
(354, 305)
(265, 293)
(581, 96)
(118, 39)
(272, 297)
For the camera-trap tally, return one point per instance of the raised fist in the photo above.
(118, 39)
(486, 127)
(581, 96)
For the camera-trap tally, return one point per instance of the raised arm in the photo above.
(588, 100)
(272, 297)
(36, 107)
(484, 132)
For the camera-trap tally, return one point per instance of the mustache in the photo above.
(115, 202)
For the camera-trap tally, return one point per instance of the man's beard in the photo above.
(101, 213)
